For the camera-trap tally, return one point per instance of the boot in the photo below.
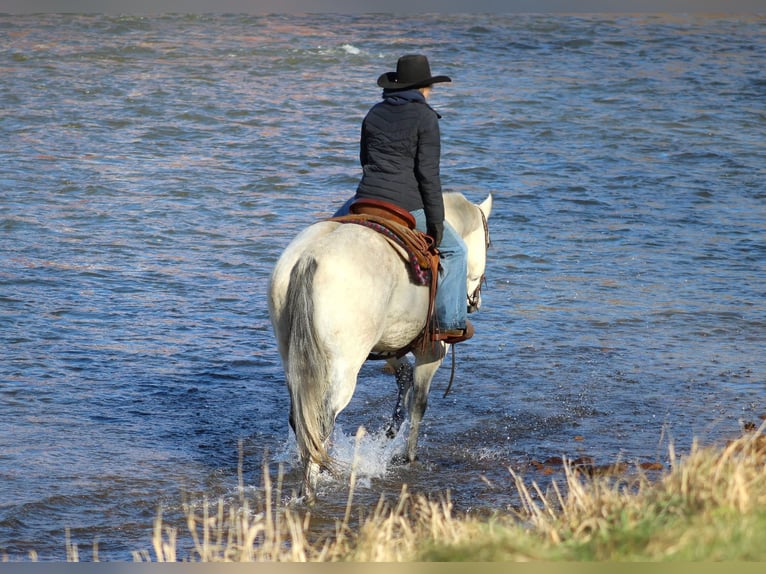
(452, 336)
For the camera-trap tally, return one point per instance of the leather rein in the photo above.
(473, 298)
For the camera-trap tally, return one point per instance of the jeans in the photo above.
(451, 299)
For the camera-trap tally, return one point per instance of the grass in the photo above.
(709, 505)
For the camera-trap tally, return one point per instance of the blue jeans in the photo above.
(451, 297)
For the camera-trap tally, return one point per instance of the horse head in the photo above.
(470, 221)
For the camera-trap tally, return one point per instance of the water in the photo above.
(152, 169)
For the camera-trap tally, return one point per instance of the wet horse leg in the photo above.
(403, 371)
(310, 477)
(425, 368)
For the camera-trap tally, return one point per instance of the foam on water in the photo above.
(349, 49)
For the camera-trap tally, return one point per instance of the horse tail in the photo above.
(307, 372)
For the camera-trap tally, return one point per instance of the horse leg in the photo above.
(342, 381)
(425, 368)
(310, 477)
(403, 371)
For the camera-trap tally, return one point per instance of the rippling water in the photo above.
(152, 169)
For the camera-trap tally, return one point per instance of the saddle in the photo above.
(384, 209)
(397, 225)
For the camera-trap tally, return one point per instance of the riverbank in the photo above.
(708, 505)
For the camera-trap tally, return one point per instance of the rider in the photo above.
(400, 150)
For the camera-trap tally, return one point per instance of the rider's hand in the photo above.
(435, 230)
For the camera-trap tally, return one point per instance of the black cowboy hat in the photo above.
(412, 71)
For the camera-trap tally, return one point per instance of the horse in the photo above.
(340, 294)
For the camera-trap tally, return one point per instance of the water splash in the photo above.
(371, 455)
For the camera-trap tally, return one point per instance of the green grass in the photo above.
(711, 506)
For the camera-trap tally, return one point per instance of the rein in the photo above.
(473, 298)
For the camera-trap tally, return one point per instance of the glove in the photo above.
(435, 230)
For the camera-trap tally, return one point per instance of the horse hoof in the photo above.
(399, 459)
(307, 498)
(393, 430)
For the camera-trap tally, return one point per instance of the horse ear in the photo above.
(486, 206)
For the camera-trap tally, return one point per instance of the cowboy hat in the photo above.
(412, 71)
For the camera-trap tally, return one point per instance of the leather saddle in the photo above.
(380, 208)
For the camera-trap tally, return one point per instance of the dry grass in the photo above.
(708, 506)
(707, 479)
(711, 504)
(274, 532)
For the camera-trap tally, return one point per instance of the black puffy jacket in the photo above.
(399, 150)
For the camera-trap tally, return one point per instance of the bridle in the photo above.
(473, 298)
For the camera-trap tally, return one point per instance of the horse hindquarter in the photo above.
(330, 294)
